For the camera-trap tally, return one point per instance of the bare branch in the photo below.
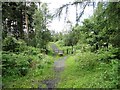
(81, 13)
(59, 10)
(66, 6)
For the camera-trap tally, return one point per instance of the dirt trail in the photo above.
(59, 64)
(58, 68)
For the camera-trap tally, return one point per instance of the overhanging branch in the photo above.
(66, 6)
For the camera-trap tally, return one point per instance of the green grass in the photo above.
(84, 71)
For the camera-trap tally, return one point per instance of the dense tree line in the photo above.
(24, 20)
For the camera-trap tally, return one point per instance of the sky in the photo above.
(59, 25)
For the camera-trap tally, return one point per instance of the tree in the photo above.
(16, 17)
(71, 38)
(112, 13)
(42, 34)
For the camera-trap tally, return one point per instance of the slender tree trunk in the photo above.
(26, 21)
(21, 26)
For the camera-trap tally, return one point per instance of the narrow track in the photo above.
(58, 68)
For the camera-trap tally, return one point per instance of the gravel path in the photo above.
(58, 68)
(59, 64)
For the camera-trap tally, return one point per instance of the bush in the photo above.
(109, 63)
(20, 63)
(32, 51)
(87, 60)
(13, 45)
(108, 55)
(13, 64)
(9, 44)
(60, 42)
(21, 46)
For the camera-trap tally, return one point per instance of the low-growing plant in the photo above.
(87, 60)
(13, 45)
(32, 51)
(9, 44)
(13, 64)
(108, 55)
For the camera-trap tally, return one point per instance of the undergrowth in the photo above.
(24, 67)
(91, 70)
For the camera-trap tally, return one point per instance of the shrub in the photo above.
(32, 51)
(60, 42)
(87, 60)
(9, 44)
(109, 65)
(13, 45)
(13, 64)
(108, 55)
(21, 46)
(20, 63)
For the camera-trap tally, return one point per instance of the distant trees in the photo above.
(71, 38)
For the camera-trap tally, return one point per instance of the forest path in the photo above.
(58, 67)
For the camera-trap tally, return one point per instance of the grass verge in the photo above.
(84, 71)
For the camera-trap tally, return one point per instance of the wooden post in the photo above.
(67, 51)
(72, 49)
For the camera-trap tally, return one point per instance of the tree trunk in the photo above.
(21, 26)
(26, 21)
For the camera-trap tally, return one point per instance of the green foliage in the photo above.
(9, 44)
(14, 64)
(84, 70)
(41, 31)
(12, 44)
(92, 66)
(88, 60)
(17, 13)
(21, 46)
(19, 63)
(110, 73)
(101, 28)
(107, 56)
(26, 65)
(32, 51)
(71, 38)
